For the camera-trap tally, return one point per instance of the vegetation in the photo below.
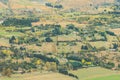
(59, 40)
(59, 6)
(19, 22)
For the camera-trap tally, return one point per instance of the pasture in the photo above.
(97, 73)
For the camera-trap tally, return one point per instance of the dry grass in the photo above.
(2, 5)
(100, 44)
(82, 5)
(116, 31)
(38, 76)
(63, 23)
(4, 42)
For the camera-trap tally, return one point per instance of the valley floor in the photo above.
(94, 73)
(38, 76)
(97, 73)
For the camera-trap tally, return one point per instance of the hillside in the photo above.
(79, 5)
(69, 38)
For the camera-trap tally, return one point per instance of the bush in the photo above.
(19, 22)
(58, 6)
(72, 75)
(49, 4)
(55, 6)
(48, 39)
(109, 65)
(72, 57)
(63, 71)
(46, 59)
(76, 65)
(7, 72)
(110, 33)
(84, 47)
(119, 66)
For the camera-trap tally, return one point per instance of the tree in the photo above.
(70, 26)
(58, 6)
(38, 62)
(33, 29)
(12, 39)
(48, 39)
(56, 30)
(49, 4)
(84, 47)
(115, 46)
(76, 65)
(6, 52)
(18, 22)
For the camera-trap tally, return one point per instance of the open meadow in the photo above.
(97, 73)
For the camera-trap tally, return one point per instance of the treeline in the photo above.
(46, 59)
(54, 6)
(65, 72)
(19, 22)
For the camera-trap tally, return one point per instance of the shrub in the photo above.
(72, 75)
(110, 33)
(58, 6)
(17, 22)
(111, 65)
(7, 72)
(63, 71)
(76, 65)
(49, 4)
(48, 39)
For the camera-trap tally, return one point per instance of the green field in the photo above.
(97, 73)
(111, 77)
